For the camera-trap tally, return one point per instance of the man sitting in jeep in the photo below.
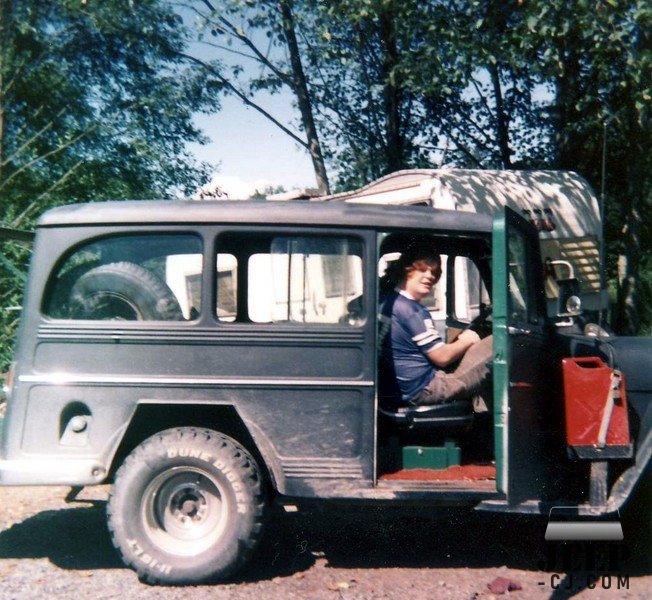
(413, 354)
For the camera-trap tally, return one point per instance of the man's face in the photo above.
(419, 282)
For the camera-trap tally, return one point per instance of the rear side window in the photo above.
(129, 278)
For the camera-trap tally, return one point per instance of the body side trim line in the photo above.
(65, 379)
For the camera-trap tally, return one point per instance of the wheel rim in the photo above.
(110, 305)
(184, 511)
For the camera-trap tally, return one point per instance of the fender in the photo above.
(633, 356)
(262, 443)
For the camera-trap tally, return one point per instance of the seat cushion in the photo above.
(451, 414)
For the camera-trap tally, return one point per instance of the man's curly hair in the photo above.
(419, 254)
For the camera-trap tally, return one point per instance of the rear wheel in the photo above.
(187, 506)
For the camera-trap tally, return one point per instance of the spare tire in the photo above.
(58, 300)
(123, 291)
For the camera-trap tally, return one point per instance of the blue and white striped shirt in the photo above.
(407, 334)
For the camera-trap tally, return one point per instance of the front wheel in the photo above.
(187, 506)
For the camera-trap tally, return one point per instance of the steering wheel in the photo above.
(481, 319)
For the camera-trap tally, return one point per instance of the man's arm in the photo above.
(444, 355)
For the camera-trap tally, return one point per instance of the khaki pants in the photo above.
(465, 381)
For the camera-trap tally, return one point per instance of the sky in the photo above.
(249, 152)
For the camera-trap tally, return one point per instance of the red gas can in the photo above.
(597, 425)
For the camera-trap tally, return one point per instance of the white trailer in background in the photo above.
(561, 204)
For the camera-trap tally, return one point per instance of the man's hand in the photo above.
(469, 336)
(445, 354)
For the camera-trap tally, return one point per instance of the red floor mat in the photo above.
(457, 473)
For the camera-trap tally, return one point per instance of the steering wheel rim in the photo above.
(485, 313)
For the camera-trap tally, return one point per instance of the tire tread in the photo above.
(250, 475)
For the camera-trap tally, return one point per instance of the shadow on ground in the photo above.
(387, 538)
(71, 538)
(370, 538)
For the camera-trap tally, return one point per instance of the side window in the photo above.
(129, 278)
(470, 291)
(520, 309)
(294, 279)
(227, 287)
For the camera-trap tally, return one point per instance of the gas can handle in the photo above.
(589, 361)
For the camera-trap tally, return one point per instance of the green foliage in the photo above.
(14, 260)
(645, 296)
(96, 102)
(598, 56)
(356, 62)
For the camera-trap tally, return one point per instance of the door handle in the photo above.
(518, 331)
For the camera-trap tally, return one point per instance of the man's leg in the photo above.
(465, 381)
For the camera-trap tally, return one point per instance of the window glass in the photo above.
(306, 280)
(519, 309)
(470, 290)
(129, 278)
(227, 287)
(289, 279)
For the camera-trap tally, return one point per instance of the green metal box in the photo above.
(423, 457)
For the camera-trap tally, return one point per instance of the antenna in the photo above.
(603, 197)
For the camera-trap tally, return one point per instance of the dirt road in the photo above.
(50, 549)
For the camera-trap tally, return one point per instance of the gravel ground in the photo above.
(50, 549)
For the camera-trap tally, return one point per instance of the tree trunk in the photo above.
(303, 97)
(391, 95)
(626, 315)
(630, 263)
(502, 129)
(3, 62)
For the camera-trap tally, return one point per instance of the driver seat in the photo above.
(449, 419)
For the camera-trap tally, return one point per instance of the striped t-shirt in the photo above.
(407, 333)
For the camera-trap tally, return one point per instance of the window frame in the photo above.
(266, 232)
(453, 319)
(87, 236)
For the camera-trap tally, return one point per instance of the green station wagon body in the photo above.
(257, 322)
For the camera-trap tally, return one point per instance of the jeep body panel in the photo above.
(303, 394)
(309, 406)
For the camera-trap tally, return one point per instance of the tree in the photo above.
(355, 59)
(598, 55)
(268, 190)
(400, 84)
(281, 63)
(477, 87)
(95, 103)
(96, 87)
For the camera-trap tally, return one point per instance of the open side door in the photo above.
(524, 365)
